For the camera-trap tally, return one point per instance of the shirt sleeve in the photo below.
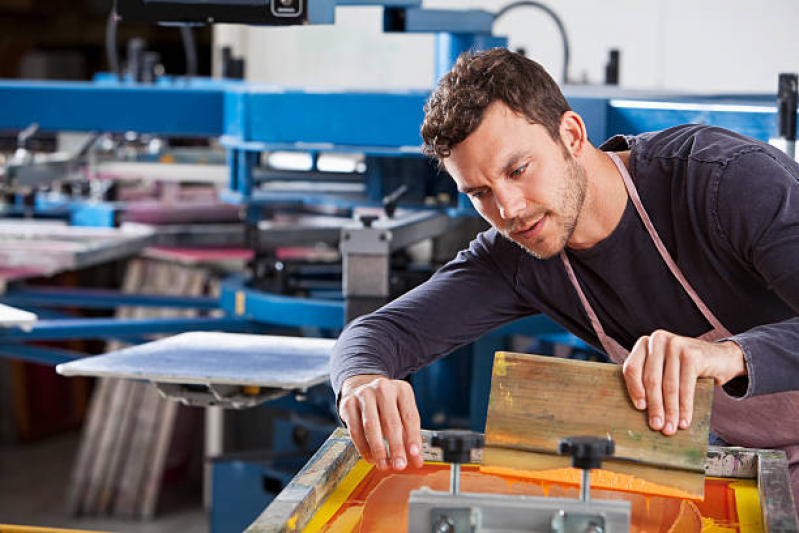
(467, 297)
(758, 215)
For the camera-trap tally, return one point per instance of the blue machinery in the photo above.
(252, 119)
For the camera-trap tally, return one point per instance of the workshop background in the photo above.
(712, 47)
(113, 455)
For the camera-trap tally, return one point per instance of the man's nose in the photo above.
(510, 202)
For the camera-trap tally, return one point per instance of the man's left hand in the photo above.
(661, 373)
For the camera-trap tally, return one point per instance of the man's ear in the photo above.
(573, 133)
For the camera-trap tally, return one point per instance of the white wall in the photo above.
(691, 45)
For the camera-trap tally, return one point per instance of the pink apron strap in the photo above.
(612, 348)
(664, 253)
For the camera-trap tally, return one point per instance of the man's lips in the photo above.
(531, 231)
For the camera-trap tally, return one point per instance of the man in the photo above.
(676, 252)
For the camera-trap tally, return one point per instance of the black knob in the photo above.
(367, 220)
(390, 202)
(587, 452)
(457, 445)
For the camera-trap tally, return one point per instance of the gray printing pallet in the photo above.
(209, 368)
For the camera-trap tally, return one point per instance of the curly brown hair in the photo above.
(456, 107)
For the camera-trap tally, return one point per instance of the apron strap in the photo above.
(664, 253)
(609, 347)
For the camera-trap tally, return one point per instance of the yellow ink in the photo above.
(500, 364)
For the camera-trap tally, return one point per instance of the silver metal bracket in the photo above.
(228, 396)
(564, 522)
(454, 520)
(501, 513)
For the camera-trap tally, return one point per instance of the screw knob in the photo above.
(457, 445)
(390, 201)
(367, 220)
(587, 452)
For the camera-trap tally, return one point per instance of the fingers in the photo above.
(351, 415)
(663, 368)
(412, 426)
(380, 411)
(633, 370)
(672, 392)
(653, 380)
(688, 377)
(372, 427)
(391, 423)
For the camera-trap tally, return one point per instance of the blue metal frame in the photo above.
(100, 299)
(248, 311)
(420, 20)
(53, 325)
(184, 109)
(375, 123)
(238, 300)
(251, 119)
(746, 115)
(116, 328)
(38, 354)
(449, 45)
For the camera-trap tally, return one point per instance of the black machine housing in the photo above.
(260, 12)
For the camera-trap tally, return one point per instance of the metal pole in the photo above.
(585, 486)
(454, 478)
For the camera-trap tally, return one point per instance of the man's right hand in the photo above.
(374, 407)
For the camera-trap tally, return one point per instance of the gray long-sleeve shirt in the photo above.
(726, 208)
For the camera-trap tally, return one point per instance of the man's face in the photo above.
(519, 179)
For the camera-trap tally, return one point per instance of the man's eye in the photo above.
(518, 171)
(477, 194)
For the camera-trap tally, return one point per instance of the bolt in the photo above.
(454, 478)
(444, 525)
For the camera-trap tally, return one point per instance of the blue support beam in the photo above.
(255, 118)
(101, 299)
(450, 45)
(181, 109)
(240, 301)
(38, 354)
(594, 112)
(110, 328)
(757, 119)
(371, 122)
(419, 20)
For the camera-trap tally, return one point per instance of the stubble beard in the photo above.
(564, 216)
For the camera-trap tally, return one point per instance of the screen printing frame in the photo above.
(294, 507)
